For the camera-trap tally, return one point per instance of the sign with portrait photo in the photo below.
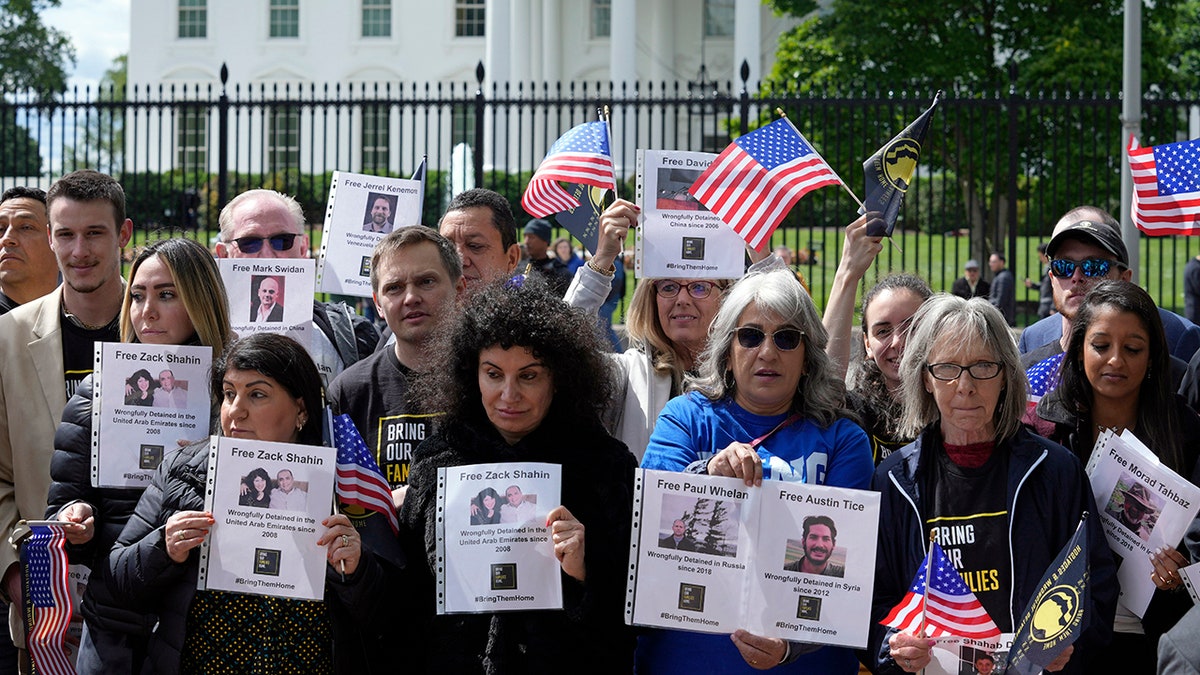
(1143, 506)
(270, 295)
(268, 501)
(146, 401)
(677, 236)
(361, 210)
(785, 560)
(494, 540)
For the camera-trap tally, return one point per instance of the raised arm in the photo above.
(858, 252)
(593, 280)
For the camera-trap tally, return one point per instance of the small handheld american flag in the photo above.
(359, 480)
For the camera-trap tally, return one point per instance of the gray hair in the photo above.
(948, 319)
(820, 394)
(287, 201)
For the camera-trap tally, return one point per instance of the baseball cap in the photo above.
(1095, 232)
(538, 228)
(971, 265)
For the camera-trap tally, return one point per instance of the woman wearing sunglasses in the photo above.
(766, 405)
(667, 320)
(1115, 375)
(1001, 501)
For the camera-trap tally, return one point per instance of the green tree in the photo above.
(976, 51)
(33, 56)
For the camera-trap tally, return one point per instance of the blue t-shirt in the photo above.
(691, 427)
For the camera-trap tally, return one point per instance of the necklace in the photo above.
(81, 323)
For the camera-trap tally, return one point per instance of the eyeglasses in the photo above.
(786, 339)
(1092, 267)
(948, 372)
(279, 242)
(696, 289)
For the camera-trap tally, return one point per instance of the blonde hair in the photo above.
(646, 331)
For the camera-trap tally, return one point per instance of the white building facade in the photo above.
(387, 50)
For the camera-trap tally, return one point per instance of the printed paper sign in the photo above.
(676, 235)
(268, 500)
(361, 210)
(494, 540)
(146, 401)
(785, 560)
(1143, 506)
(270, 296)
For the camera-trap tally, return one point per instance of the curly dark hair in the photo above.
(522, 314)
(1157, 421)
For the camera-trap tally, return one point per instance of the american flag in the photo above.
(1166, 187)
(359, 481)
(582, 155)
(754, 183)
(947, 608)
(49, 601)
(1043, 377)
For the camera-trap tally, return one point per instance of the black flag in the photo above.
(890, 170)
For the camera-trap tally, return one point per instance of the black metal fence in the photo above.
(997, 170)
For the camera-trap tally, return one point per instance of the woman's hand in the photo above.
(859, 248)
(738, 460)
(1167, 562)
(185, 531)
(614, 226)
(910, 652)
(343, 546)
(567, 534)
(760, 652)
(81, 523)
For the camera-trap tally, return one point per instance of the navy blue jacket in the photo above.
(1047, 492)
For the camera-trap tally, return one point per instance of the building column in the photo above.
(623, 44)
(521, 42)
(498, 69)
(551, 42)
(747, 42)
(662, 28)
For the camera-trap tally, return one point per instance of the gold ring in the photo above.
(179, 535)
(345, 540)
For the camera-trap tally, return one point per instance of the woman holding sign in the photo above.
(270, 390)
(522, 379)
(999, 500)
(1115, 374)
(173, 296)
(765, 405)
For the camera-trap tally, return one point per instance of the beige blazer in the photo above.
(33, 394)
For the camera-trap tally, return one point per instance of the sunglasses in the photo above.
(948, 372)
(1092, 267)
(786, 339)
(279, 242)
(696, 289)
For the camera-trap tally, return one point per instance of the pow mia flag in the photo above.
(890, 170)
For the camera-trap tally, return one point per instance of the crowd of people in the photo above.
(492, 354)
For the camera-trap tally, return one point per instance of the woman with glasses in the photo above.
(1115, 375)
(667, 321)
(766, 405)
(1001, 501)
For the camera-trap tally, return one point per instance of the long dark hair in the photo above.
(1157, 422)
(488, 492)
(250, 483)
(285, 361)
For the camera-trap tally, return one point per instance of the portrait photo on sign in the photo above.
(170, 392)
(673, 186)
(279, 489)
(816, 551)
(485, 507)
(517, 506)
(699, 525)
(380, 213)
(266, 298)
(1134, 506)
(975, 661)
(139, 388)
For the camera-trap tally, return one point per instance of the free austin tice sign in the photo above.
(265, 542)
(361, 210)
(146, 401)
(494, 550)
(677, 236)
(711, 555)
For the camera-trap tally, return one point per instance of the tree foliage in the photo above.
(33, 56)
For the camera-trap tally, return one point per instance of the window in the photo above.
(601, 18)
(283, 139)
(375, 120)
(718, 18)
(193, 18)
(468, 18)
(285, 18)
(377, 18)
(192, 140)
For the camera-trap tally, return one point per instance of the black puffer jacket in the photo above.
(146, 578)
(597, 488)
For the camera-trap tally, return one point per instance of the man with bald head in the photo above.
(270, 224)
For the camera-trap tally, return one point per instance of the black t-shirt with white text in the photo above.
(79, 350)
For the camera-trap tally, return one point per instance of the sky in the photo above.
(99, 29)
